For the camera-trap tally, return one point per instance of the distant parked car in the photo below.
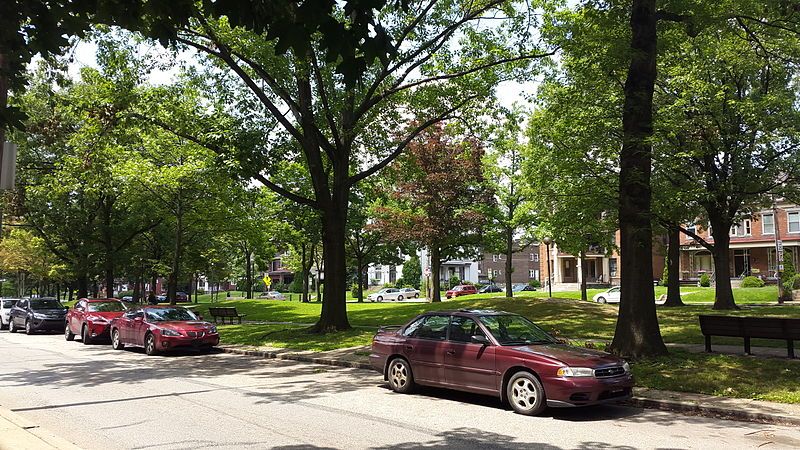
(410, 292)
(519, 287)
(181, 297)
(461, 289)
(5, 310)
(273, 295)
(161, 298)
(162, 328)
(37, 314)
(490, 288)
(92, 317)
(127, 298)
(609, 296)
(392, 294)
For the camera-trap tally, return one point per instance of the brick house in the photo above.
(525, 262)
(752, 248)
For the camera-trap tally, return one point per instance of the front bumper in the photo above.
(170, 342)
(99, 330)
(47, 324)
(579, 391)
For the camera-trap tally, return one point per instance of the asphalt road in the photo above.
(99, 398)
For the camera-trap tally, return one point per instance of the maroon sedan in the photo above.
(91, 318)
(499, 354)
(161, 328)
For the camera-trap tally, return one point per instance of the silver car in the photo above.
(609, 296)
(410, 292)
(5, 309)
(386, 294)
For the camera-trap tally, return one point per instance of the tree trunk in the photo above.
(584, 274)
(360, 279)
(509, 257)
(248, 254)
(673, 267)
(334, 305)
(172, 281)
(436, 266)
(83, 284)
(723, 292)
(137, 288)
(637, 333)
(71, 292)
(304, 273)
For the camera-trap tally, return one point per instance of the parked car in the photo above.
(409, 293)
(609, 296)
(386, 294)
(461, 289)
(500, 354)
(181, 297)
(37, 314)
(162, 328)
(92, 317)
(5, 310)
(490, 288)
(127, 298)
(519, 287)
(273, 295)
(161, 298)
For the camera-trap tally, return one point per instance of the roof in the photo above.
(97, 300)
(479, 312)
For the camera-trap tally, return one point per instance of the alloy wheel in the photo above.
(150, 345)
(28, 327)
(523, 393)
(398, 375)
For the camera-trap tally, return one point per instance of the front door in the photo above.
(425, 346)
(466, 364)
(741, 262)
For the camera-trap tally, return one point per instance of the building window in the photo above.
(533, 274)
(494, 258)
(794, 222)
(747, 226)
(535, 257)
(692, 228)
(768, 224)
(490, 274)
(612, 266)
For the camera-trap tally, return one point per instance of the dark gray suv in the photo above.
(37, 314)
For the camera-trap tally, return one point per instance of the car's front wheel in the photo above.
(150, 344)
(380, 299)
(416, 295)
(85, 336)
(526, 394)
(68, 334)
(116, 340)
(11, 327)
(400, 377)
(28, 327)
(601, 300)
(399, 298)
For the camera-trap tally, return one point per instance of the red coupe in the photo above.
(499, 354)
(91, 318)
(161, 328)
(462, 289)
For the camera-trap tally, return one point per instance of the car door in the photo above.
(138, 326)
(469, 365)
(19, 312)
(613, 295)
(76, 317)
(425, 344)
(124, 326)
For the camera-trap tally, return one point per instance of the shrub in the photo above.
(752, 282)
(354, 290)
(705, 280)
(297, 283)
(535, 284)
(791, 285)
(665, 275)
(389, 285)
(412, 271)
(454, 281)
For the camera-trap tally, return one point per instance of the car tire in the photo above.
(150, 344)
(401, 379)
(601, 300)
(525, 394)
(85, 338)
(68, 334)
(116, 340)
(28, 327)
(416, 295)
(2, 324)
(380, 299)
(399, 298)
(11, 327)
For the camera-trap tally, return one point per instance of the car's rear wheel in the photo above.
(11, 327)
(400, 377)
(526, 394)
(28, 327)
(150, 344)
(116, 340)
(85, 336)
(416, 295)
(601, 300)
(68, 334)
(399, 298)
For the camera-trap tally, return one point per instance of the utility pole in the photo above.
(778, 250)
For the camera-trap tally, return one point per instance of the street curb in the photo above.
(689, 408)
(36, 436)
(712, 411)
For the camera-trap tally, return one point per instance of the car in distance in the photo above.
(490, 289)
(91, 318)
(608, 296)
(519, 287)
(37, 314)
(273, 295)
(392, 294)
(162, 328)
(409, 292)
(5, 310)
(181, 297)
(500, 354)
(461, 289)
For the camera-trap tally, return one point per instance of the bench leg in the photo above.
(747, 346)
(790, 348)
(708, 344)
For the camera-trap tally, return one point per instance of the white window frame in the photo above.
(533, 274)
(494, 258)
(789, 221)
(747, 227)
(764, 223)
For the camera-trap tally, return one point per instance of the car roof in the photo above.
(471, 312)
(99, 300)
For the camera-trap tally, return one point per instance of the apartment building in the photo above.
(525, 263)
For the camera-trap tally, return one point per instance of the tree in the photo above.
(438, 200)
(412, 271)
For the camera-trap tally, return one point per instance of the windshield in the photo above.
(46, 303)
(106, 307)
(515, 330)
(9, 303)
(169, 314)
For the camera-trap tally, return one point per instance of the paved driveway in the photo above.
(102, 399)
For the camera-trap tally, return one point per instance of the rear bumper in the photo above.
(572, 392)
(377, 361)
(170, 342)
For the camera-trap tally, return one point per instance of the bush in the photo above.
(454, 281)
(535, 284)
(388, 285)
(791, 285)
(752, 282)
(705, 280)
(354, 290)
(297, 283)
(665, 275)
(412, 271)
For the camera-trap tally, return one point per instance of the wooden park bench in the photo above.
(225, 313)
(751, 327)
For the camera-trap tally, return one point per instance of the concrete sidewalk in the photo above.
(19, 433)
(683, 402)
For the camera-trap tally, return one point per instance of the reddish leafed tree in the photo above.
(438, 199)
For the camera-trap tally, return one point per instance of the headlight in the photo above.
(627, 367)
(166, 332)
(575, 372)
(39, 316)
(98, 320)
(212, 330)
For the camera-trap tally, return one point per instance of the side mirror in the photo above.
(480, 339)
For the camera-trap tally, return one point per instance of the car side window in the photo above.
(462, 329)
(131, 314)
(22, 304)
(433, 327)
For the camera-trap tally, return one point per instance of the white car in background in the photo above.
(5, 310)
(273, 295)
(392, 294)
(410, 292)
(609, 296)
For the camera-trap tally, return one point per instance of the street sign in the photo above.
(780, 267)
(779, 246)
(267, 281)
(427, 271)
